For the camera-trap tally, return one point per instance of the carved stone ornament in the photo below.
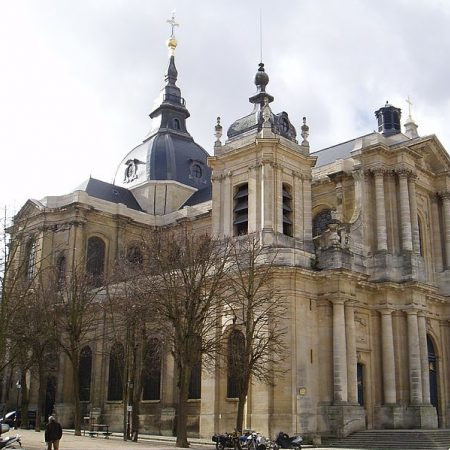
(130, 170)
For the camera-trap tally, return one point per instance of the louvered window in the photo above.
(240, 211)
(287, 210)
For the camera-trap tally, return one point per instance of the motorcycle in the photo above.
(225, 440)
(283, 440)
(253, 441)
(10, 441)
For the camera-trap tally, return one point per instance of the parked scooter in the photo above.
(225, 440)
(283, 440)
(10, 442)
(252, 440)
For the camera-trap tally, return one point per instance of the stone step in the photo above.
(395, 439)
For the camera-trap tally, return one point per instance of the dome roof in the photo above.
(169, 152)
(165, 156)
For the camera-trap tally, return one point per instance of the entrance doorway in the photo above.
(360, 382)
(433, 373)
(50, 396)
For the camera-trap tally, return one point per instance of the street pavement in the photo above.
(35, 441)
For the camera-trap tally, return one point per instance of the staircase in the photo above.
(398, 439)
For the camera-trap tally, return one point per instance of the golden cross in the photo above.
(172, 23)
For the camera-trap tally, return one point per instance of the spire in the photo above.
(170, 112)
(410, 125)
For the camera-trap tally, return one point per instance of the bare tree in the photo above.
(184, 282)
(131, 320)
(77, 306)
(256, 347)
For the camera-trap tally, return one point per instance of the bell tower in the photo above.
(261, 180)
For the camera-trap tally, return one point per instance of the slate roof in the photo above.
(109, 192)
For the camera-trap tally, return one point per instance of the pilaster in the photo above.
(405, 212)
(414, 359)
(380, 207)
(339, 353)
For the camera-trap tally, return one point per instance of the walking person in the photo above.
(53, 433)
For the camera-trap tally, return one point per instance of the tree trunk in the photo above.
(76, 394)
(41, 397)
(240, 413)
(183, 394)
(24, 402)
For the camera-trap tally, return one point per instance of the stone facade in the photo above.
(368, 284)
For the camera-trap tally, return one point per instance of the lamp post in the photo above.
(18, 386)
(129, 408)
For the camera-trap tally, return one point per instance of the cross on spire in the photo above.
(173, 23)
(410, 103)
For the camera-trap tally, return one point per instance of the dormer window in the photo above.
(176, 124)
(196, 171)
(287, 210)
(240, 211)
(284, 125)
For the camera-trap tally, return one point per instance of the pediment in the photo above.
(434, 156)
(30, 209)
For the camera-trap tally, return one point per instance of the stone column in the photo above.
(252, 196)
(387, 354)
(339, 352)
(380, 207)
(405, 212)
(436, 230)
(297, 190)
(415, 373)
(424, 357)
(446, 212)
(351, 353)
(307, 208)
(267, 197)
(413, 209)
(217, 193)
(278, 186)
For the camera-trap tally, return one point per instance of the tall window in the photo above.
(236, 347)
(151, 389)
(195, 383)
(95, 261)
(30, 259)
(420, 230)
(321, 222)
(134, 255)
(287, 210)
(61, 269)
(84, 374)
(116, 369)
(240, 211)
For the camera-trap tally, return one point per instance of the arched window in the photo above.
(151, 383)
(321, 221)
(30, 259)
(60, 269)
(116, 368)
(236, 347)
(176, 124)
(84, 373)
(134, 255)
(95, 261)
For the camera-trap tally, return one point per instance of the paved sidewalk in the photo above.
(35, 441)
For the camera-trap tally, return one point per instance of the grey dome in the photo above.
(169, 152)
(165, 156)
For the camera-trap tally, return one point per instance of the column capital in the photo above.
(403, 173)
(379, 171)
(444, 195)
(411, 311)
(385, 311)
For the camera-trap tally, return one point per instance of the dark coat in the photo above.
(53, 432)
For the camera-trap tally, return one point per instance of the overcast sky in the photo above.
(79, 78)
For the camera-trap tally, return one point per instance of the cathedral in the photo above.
(362, 237)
